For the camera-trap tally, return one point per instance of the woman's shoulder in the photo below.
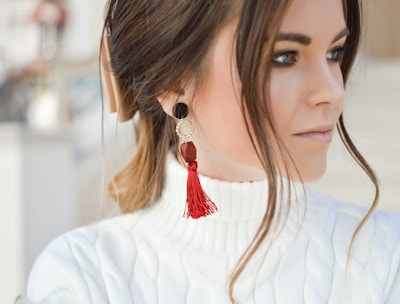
(370, 249)
(107, 233)
(83, 257)
(98, 234)
(380, 230)
(345, 211)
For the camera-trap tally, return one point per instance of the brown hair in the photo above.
(155, 44)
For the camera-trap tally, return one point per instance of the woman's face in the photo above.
(306, 93)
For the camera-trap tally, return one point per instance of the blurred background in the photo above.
(52, 167)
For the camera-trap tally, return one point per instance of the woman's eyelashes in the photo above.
(285, 59)
(336, 55)
(290, 58)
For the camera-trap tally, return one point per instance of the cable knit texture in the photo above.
(155, 255)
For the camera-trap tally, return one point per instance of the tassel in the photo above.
(198, 204)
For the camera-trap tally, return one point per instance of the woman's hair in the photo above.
(155, 44)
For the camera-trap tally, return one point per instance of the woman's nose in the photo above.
(325, 84)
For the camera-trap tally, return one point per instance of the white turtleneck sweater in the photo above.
(156, 255)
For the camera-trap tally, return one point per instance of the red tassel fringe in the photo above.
(198, 203)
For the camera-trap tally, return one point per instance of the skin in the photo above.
(307, 94)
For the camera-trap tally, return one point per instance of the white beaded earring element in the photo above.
(184, 124)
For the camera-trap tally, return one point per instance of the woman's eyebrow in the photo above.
(295, 37)
(343, 33)
(306, 40)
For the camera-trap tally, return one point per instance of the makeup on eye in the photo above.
(285, 58)
(288, 58)
(336, 55)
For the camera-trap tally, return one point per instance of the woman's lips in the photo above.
(322, 136)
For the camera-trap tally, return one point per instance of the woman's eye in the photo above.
(336, 55)
(285, 59)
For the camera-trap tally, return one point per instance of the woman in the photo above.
(246, 94)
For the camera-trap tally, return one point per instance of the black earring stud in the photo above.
(180, 110)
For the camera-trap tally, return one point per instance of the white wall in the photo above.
(11, 214)
(39, 199)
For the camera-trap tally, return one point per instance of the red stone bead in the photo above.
(188, 151)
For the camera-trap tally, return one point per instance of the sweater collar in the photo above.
(236, 201)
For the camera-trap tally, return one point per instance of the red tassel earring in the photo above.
(198, 204)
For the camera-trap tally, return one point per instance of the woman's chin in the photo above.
(308, 172)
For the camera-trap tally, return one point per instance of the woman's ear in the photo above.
(168, 100)
(110, 84)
